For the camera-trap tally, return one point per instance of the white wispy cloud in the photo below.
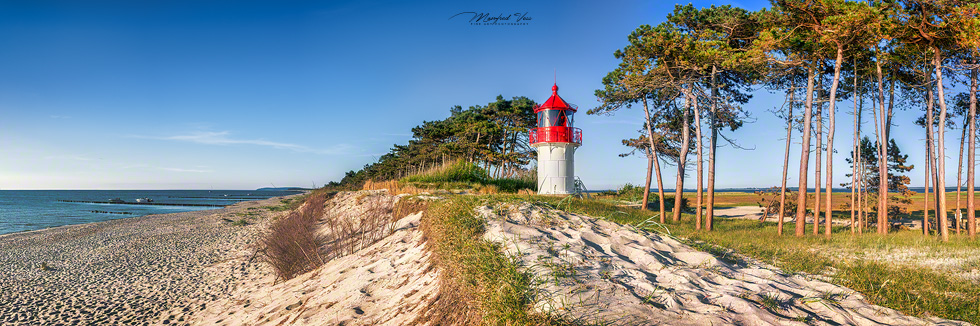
(223, 138)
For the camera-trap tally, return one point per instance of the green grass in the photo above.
(476, 270)
(913, 290)
(464, 175)
(460, 171)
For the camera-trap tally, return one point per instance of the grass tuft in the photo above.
(292, 246)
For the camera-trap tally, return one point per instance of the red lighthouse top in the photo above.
(556, 122)
(555, 102)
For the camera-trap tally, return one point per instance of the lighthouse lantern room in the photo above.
(555, 139)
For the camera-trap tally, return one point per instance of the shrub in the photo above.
(292, 245)
(460, 171)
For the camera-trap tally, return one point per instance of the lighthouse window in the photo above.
(555, 118)
(549, 118)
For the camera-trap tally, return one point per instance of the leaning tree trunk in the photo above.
(941, 148)
(710, 214)
(819, 163)
(650, 155)
(660, 185)
(882, 158)
(646, 185)
(830, 139)
(789, 138)
(682, 156)
(656, 162)
(804, 155)
(700, 165)
(971, 220)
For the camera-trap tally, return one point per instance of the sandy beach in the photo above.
(127, 271)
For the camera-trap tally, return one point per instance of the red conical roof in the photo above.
(555, 102)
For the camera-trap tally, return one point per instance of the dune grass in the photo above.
(462, 175)
(914, 290)
(480, 284)
(292, 245)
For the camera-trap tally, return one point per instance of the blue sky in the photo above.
(246, 94)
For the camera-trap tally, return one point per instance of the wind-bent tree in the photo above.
(967, 37)
(785, 30)
(930, 24)
(724, 63)
(844, 27)
(643, 75)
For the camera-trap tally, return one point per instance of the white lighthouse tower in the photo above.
(556, 138)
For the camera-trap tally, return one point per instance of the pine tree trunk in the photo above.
(804, 155)
(882, 157)
(682, 156)
(656, 161)
(789, 138)
(930, 157)
(860, 165)
(941, 149)
(925, 204)
(819, 150)
(971, 221)
(830, 139)
(646, 185)
(855, 152)
(959, 179)
(710, 220)
(700, 181)
(660, 186)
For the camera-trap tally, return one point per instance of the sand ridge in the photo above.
(594, 271)
(387, 282)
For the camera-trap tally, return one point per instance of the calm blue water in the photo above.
(25, 210)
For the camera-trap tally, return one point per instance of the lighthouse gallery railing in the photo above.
(556, 134)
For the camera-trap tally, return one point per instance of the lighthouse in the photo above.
(556, 139)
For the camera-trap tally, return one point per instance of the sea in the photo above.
(27, 210)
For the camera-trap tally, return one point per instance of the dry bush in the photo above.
(347, 234)
(408, 206)
(292, 245)
(393, 186)
(312, 235)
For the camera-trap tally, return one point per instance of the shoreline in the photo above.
(132, 270)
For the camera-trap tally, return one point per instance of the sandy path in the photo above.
(123, 272)
(594, 271)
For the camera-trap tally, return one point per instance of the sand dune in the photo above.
(386, 283)
(594, 271)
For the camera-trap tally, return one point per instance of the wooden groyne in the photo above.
(136, 203)
(108, 212)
